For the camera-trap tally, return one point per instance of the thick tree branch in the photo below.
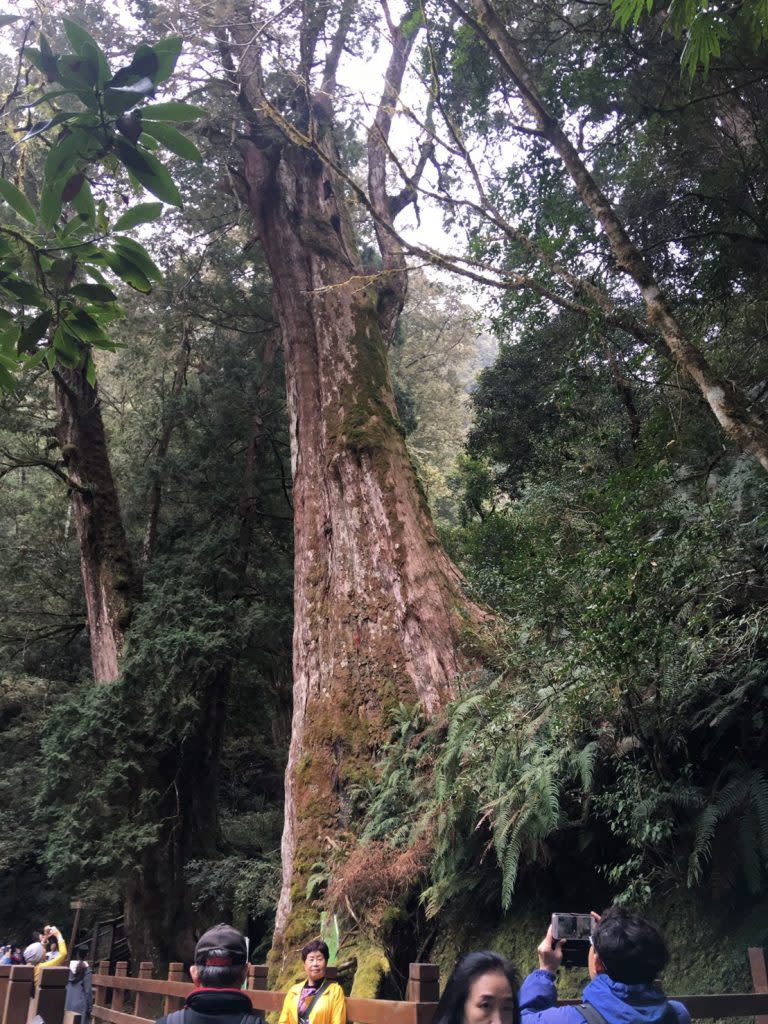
(392, 296)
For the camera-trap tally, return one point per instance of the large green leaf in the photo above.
(9, 337)
(35, 359)
(22, 290)
(173, 110)
(143, 213)
(149, 171)
(85, 326)
(128, 271)
(80, 74)
(85, 45)
(173, 140)
(94, 292)
(67, 347)
(7, 380)
(34, 331)
(136, 252)
(120, 94)
(167, 52)
(50, 202)
(48, 63)
(84, 203)
(79, 145)
(17, 200)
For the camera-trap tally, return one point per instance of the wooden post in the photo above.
(100, 991)
(257, 977)
(142, 998)
(171, 1003)
(423, 983)
(16, 1009)
(77, 906)
(118, 994)
(5, 977)
(758, 966)
(51, 995)
(94, 950)
(111, 953)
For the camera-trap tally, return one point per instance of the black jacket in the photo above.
(217, 1006)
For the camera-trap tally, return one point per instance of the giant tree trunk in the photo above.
(380, 615)
(110, 583)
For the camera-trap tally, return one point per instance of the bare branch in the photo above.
(30, 462)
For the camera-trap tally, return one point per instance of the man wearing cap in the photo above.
(219, 970)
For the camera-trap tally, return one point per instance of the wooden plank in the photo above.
(381, 1011)
(736, 1004)
(720, 1004)
(361, 1011)
(153, 985)
(758, 966)
(117, 1017)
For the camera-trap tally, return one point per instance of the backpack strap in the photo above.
(589, 1013)
(311, 1004)
(670, 1015)
(252, 1018)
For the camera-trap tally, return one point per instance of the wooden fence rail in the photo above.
(120, 999)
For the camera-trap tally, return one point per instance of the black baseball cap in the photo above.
(221, 946)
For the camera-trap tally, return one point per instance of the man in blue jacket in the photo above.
(626, 956)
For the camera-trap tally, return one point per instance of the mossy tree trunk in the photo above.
(110, 582)
(380, 612)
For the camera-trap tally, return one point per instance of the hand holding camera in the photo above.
(567, 941)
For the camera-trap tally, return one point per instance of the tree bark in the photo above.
(741, 418)
(380, 615)
(110, 582)
(155, 496)
(159, 919)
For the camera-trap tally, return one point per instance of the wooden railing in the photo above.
(120, 999)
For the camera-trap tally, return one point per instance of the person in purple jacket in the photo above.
(626, 956)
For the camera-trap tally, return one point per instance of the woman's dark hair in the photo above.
(315, 946)
(450, 1009)
(631, 948)
(52, 943)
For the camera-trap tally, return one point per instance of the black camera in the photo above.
(576, 930)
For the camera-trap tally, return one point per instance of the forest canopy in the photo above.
(383, 452)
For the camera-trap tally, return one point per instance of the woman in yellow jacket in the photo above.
(57, 951)
(315, 1000)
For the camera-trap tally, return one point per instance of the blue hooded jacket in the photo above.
(617, 1002)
